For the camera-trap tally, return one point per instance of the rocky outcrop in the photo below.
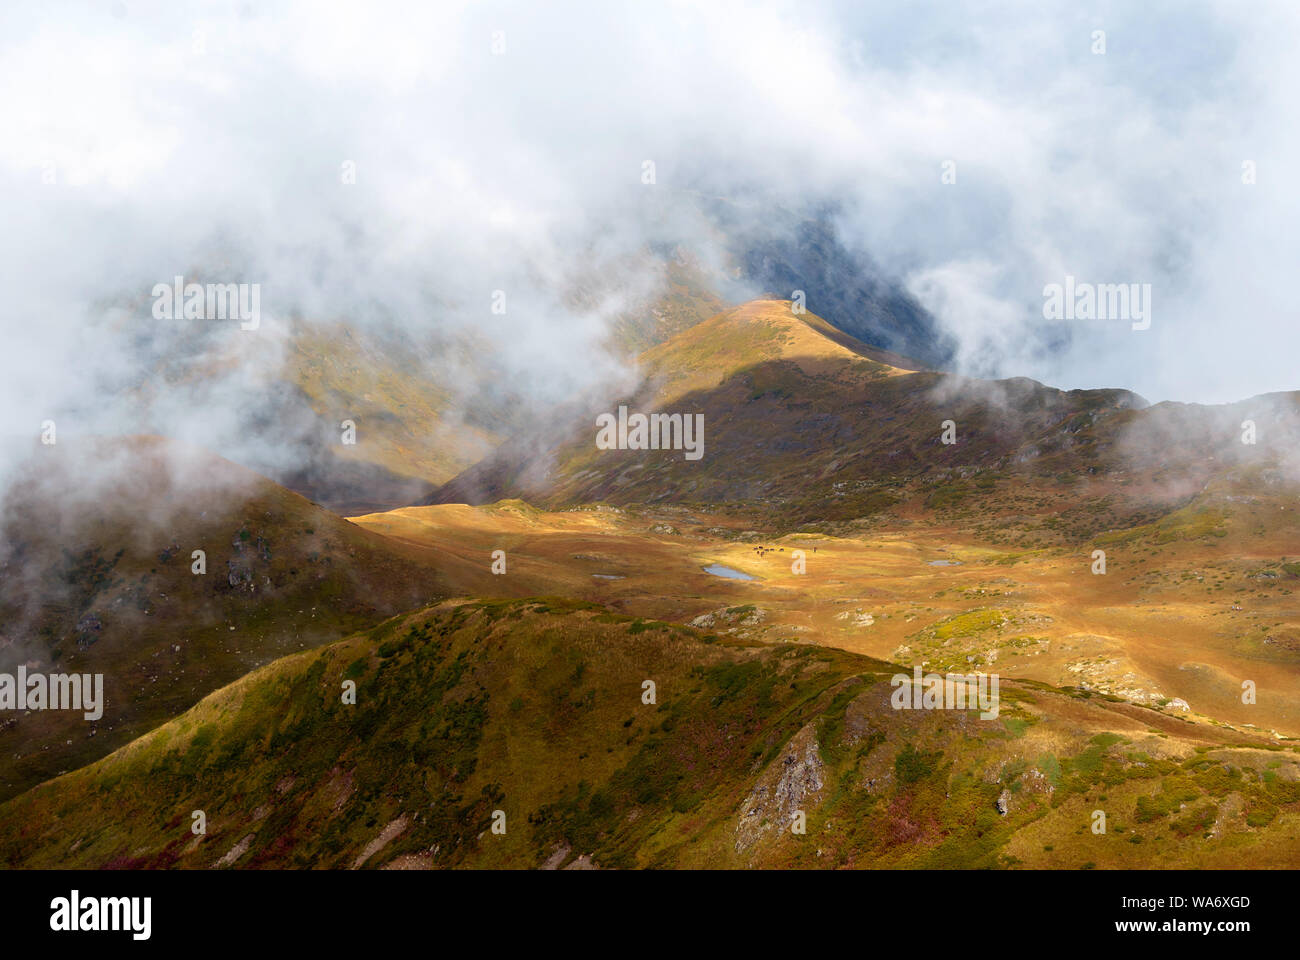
(792, 782)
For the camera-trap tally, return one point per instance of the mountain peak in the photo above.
(758, 332)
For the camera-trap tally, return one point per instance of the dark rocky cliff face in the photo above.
(779, 250)
(846, 288)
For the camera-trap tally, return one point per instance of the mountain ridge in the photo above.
(519, 735)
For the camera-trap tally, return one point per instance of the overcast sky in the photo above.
(213, 136)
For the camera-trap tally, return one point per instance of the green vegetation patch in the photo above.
(971, 622)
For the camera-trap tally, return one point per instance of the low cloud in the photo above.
(504, 147)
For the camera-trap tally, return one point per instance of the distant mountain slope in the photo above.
(96, 576)
(800, 414)
(408, 435)
(423, 418)
(430, 395)
(805, 422)
(517, 735)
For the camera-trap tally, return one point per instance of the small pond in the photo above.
(718, 570)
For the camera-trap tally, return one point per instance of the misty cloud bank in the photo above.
(503, 147)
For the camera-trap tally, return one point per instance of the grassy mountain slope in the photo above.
(408, 437)
(534, 708)
(1192, 604)
(96, 577)
(800, 415)
(805, 424)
